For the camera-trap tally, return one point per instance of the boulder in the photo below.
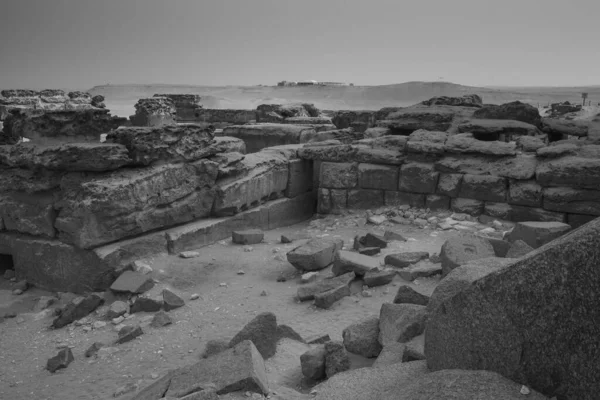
(238, 369)
(315, 254)
(518, 249)
(262, 331)
(146, 304)
(408, 295)
(536, 234)
(171, 143)
(347, 261)
(400, 322)
(531, 321)
(363, 337)
(514, 111)
(308, 292)
(312, 363)
(336, 359)
(461, 249)
(161, 319)
(117, 309)
(406, 259)
(171, 301)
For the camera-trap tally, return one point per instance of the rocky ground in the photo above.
(233, 284)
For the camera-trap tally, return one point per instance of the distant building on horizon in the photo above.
(312, 83)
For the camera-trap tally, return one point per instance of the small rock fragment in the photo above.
(161, 319)
(171, 301)
(61, 360)
(189, 254)
(132, 282)
(379, 278)
(93, 349)
(128, 333)
(117, 309)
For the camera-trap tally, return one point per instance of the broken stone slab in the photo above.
(330, 297)
(363, 337)
(128, 333)
(161, 319)
(347, 261)
(408, 295)
(400, 322)
(146, 304)
(374, 240)
(132, 282)
(518, 249)
(60, 361)
(171, 301)
(336, 358)
(262, 331)
(536, 234)
(391, 353)
(117, 309)
(308, 292)
(312, 363)
(461, 249)
(379, 278)
(376, 219)
(404, 260)
(315, 254)
(250, 236)
(78, 308)
(392, 235)
(420, 270)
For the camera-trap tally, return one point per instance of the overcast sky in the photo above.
(82, 43)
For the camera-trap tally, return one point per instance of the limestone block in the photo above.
(418, 178)
(372, 176)
(483, 187)
(339, 175)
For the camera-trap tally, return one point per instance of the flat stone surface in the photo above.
(315, 254)
(403, 260)
(458, 250)
(128, 333)
(400, 322)
(363, 337)
(348, 261)
(132, 282)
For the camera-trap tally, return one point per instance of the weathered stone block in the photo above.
(330, 297)
(347, 261)
(315, 254)
(400, 198)
(123, 252)
(418, 178)
(483, 187)
(362, 337)
(308, 292)
(437, 202)
(339, 200)
(521, 166)
(577, 201)
(365, 198)
(300, 177)
(339, 175)
(464, 143)
(31, 214)
(570, 171)
(459, 250)
(525, 193)
(372, 176)
(467, 206)
(449, 184)
(260, 136)
(536, 234)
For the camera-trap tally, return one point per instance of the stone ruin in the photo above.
(76, 213)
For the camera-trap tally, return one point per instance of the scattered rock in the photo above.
(117, 309)
(59, 361)
(315, 254)
(132, 282)
(146, 304)
(309, 277)
(118, 320)
(330, 297)
(400, 322)
(128, 333)
(536, 234)
(403, 260)
(21, 285)
(189, 254)
(363, 337)
(374, 240)
(141, 267)
(194, 296)
(262, 331)
(308, 292)
(43, 303)
(250, 236)
(379, 278)
(421, 270)
(390, 354)
(285, 331)
(347, 261)
(461, 249)
(171, 301)
(376, 219)
(78, 308)
(99, 324)
(336, 359)
(407, 295)
(312, 363)
(518, 249)
(264, 293)
(93, 349)
(161, 319)
(391, 235)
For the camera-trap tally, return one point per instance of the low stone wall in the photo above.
(515, 181)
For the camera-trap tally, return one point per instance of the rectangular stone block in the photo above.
(365, 198)
(570, 171)
(570, 200)
(300, 177)
(31, 214)
(522, 213)
(339, 175)
(467, 206)
(524, 193)
(373, 176)
(449, 184)
(437, 202)
(483, 187)
(393, 198)
(260, 136)
(418, 177)
(286, 212)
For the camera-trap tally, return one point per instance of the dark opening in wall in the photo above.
(6, 262)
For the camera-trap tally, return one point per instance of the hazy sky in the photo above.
(82, 43)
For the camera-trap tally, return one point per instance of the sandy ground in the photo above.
(228, 300)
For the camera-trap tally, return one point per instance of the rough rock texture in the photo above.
(330, 297)
(336, 359)
(559, 127)
(488, 129)
(408, 120)
(518, 249)
(103, 208)
(59, 361)
(575, 171)
(279, 112)
(132, 282)
(461, 249)
(515, 110)
(260, 136)
(406, 259)
(154, 111)
(176, 143)
(171, 301)
(78, 308)
(262, 331)
(313, 363)
(379, 278)
(392, 353)
(536, 234)
(532, 321)
(468, 100)
(408, 295)
(187, 106)
(400, 322)
(363, 337)
(465, 143)
(315, 254)
(238, 369)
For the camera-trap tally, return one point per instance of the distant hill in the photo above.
(121, 98)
